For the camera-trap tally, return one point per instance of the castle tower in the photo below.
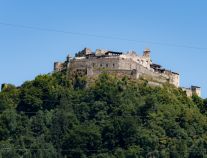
(147, 53)
(146, 56)
(196, 90)
(58, 66)
(68, 58)
(87, 51)
(84, 52)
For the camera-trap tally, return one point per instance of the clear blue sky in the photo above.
(25, 53)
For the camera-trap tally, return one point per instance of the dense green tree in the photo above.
(61, 116)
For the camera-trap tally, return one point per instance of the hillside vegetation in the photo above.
(53, 117)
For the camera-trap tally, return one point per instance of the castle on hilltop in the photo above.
(128, 64)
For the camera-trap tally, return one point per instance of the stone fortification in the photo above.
(129, 64)
(193, 90)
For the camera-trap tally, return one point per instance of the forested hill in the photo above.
(53, 117)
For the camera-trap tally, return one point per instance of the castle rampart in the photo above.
(193, 90)
(130, 64)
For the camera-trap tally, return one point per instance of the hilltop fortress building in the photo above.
(129, 64)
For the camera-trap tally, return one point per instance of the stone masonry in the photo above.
(129, 64)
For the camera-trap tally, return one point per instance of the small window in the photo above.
(113, 65)
(107, 65)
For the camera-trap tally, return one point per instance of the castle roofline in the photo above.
(195, 86)
(112, 52)
(175, 73)
(146, 50)
(155, 65)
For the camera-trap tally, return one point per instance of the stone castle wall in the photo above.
(192, 90)
(130, 64)
(118, 65)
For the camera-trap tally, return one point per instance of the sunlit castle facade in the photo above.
(87, 62)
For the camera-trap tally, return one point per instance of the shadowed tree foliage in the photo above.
(57, 117)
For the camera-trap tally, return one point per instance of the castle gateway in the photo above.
(128, 64)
